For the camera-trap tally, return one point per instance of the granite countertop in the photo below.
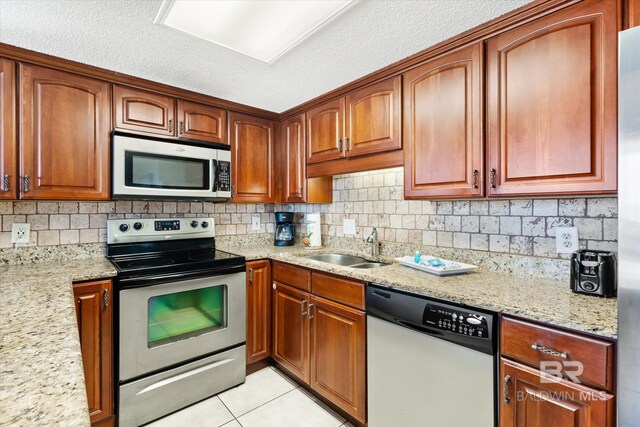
(41, 372)
(548, 301)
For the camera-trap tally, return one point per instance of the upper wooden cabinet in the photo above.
(8, 143)
(142, 111)
(153, 113)
(551, 104)
(64, 138)
(366, 121)
(251, 159)
(443, 126)
(258, 310)
(202, 122)
(94, 312)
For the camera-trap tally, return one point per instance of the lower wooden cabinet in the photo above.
(94, 312)
(258, 310)
(530, 398)
(323, 343)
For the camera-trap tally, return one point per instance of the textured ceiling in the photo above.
(120, 35)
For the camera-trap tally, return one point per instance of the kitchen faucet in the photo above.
(373, 239)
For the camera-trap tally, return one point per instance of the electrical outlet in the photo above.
(566, 240)
(20, 233)
(255, 222)
(349, 227)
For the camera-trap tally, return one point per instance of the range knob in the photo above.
(137, 225)
(194, 224)
(124, 227)
(204, 224)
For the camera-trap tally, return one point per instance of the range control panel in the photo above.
(136, 230)
(457, 321)
(167, 225)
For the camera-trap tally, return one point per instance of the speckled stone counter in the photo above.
(548, 301)
(41, 373)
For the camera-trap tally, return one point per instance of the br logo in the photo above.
(552, 371)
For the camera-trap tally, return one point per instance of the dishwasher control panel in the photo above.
(458, 321)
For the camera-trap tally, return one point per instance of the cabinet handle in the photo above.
(475, 178)
(251, 275)
(304, 302)
(25, 181)
(105, 297)
(170, 125)
(299, 189)
(6, 183)
(339, 144)
(505, 390)
(492, 177)
(310, 315)
(233, 193)
(550, 352)
(181, 126)
(346, 145)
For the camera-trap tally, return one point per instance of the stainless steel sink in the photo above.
(368, 265)
(338, 259)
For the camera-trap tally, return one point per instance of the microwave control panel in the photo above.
(224, 176)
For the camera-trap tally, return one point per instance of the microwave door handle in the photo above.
(216, 175)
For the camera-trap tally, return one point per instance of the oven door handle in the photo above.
(139, 282)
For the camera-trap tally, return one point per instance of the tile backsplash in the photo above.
(374, 199)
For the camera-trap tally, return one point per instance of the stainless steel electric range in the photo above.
(180, 315)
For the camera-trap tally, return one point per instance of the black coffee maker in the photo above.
(594, 273)
(285, 230)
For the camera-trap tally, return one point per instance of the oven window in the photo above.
(158, 171)
(174, 317)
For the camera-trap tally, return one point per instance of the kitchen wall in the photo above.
(518, 226)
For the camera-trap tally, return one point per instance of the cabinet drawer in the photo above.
(291, 275)
(518, 339)
(338, 289)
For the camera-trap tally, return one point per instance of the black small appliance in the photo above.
(594, 273)
(285, 230)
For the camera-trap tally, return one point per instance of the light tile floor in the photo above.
(266, 399)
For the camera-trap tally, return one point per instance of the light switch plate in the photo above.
(349, 227)
(567, 240)
(20, 233)
(255, 222)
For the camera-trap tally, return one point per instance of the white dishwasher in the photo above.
(430, 363)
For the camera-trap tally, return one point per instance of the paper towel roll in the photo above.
(314, 231)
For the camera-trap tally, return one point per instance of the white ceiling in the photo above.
(120, 35)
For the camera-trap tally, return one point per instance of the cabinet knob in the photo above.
(6, 183)
(274, 285)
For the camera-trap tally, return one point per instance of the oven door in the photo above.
(171, 323)
(148, 168)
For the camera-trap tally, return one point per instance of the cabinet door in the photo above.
(291, 330)
(8, 145)
(294, 158)
(202, 122)
(325, 132)
(443, 126)
(65, 122)
(373, 118)
(551, 104)
(94, 313)
(251, 159)
(338, 367)
(142, 111)
(258, 310)
(529, 398)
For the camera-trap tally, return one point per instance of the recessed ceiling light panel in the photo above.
(264, 30)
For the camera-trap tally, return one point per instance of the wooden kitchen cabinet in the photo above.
(365, 121)
(338, 355)
(202, 122)
(529, 398)
(258, 310)
(297, 188)
(142, 111)
(94, 312)
(443, 119)
(8, 143)
(291, 330)
(552, 104)
(64, 140)
(251, 159)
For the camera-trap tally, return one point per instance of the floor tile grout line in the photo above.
(260, 406)
(223, 404)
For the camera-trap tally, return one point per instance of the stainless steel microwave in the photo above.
(152, 169)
